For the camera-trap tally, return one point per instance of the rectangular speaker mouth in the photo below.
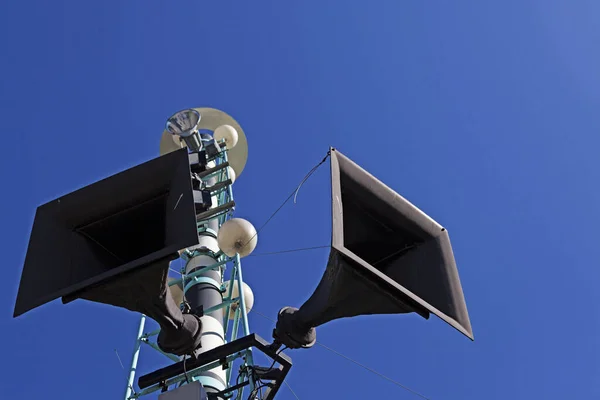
(90, 224)
(400, 248)
(393, 288)
(74, 295)
(120, 223)
(124, 234)
(384, 283)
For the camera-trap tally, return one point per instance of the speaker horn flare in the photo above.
(111, 242)
(387, 257)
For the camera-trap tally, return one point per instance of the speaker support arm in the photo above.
(214, 211)
(175, 373)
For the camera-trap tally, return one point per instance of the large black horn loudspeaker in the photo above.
(111, 242)
(387, 257)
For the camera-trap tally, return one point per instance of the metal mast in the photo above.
(205, 289)
(112, 243)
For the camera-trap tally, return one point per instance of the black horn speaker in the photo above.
(111, 242)
(387, 257)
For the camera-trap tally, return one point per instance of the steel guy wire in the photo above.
(293, 194)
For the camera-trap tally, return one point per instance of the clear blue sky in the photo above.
(484, 114)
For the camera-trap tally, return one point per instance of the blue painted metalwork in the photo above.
(198, 272)
(236, 320)
(209, 231)
(203, 279)
(218, 307)
(228, 297)
(242, 306)
(153, 333)
(187, 280)
(243, 315)
(134, 358)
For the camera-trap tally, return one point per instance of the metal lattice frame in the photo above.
(231, 328)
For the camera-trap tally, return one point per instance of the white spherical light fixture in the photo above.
(231, 173)
(237, 236)
(235, 294)
(211, 119)
(228, 134)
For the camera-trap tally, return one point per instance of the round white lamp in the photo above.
(231, 173)
(235, 293)
(237, 236)
(212, 119)
(228, 134)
